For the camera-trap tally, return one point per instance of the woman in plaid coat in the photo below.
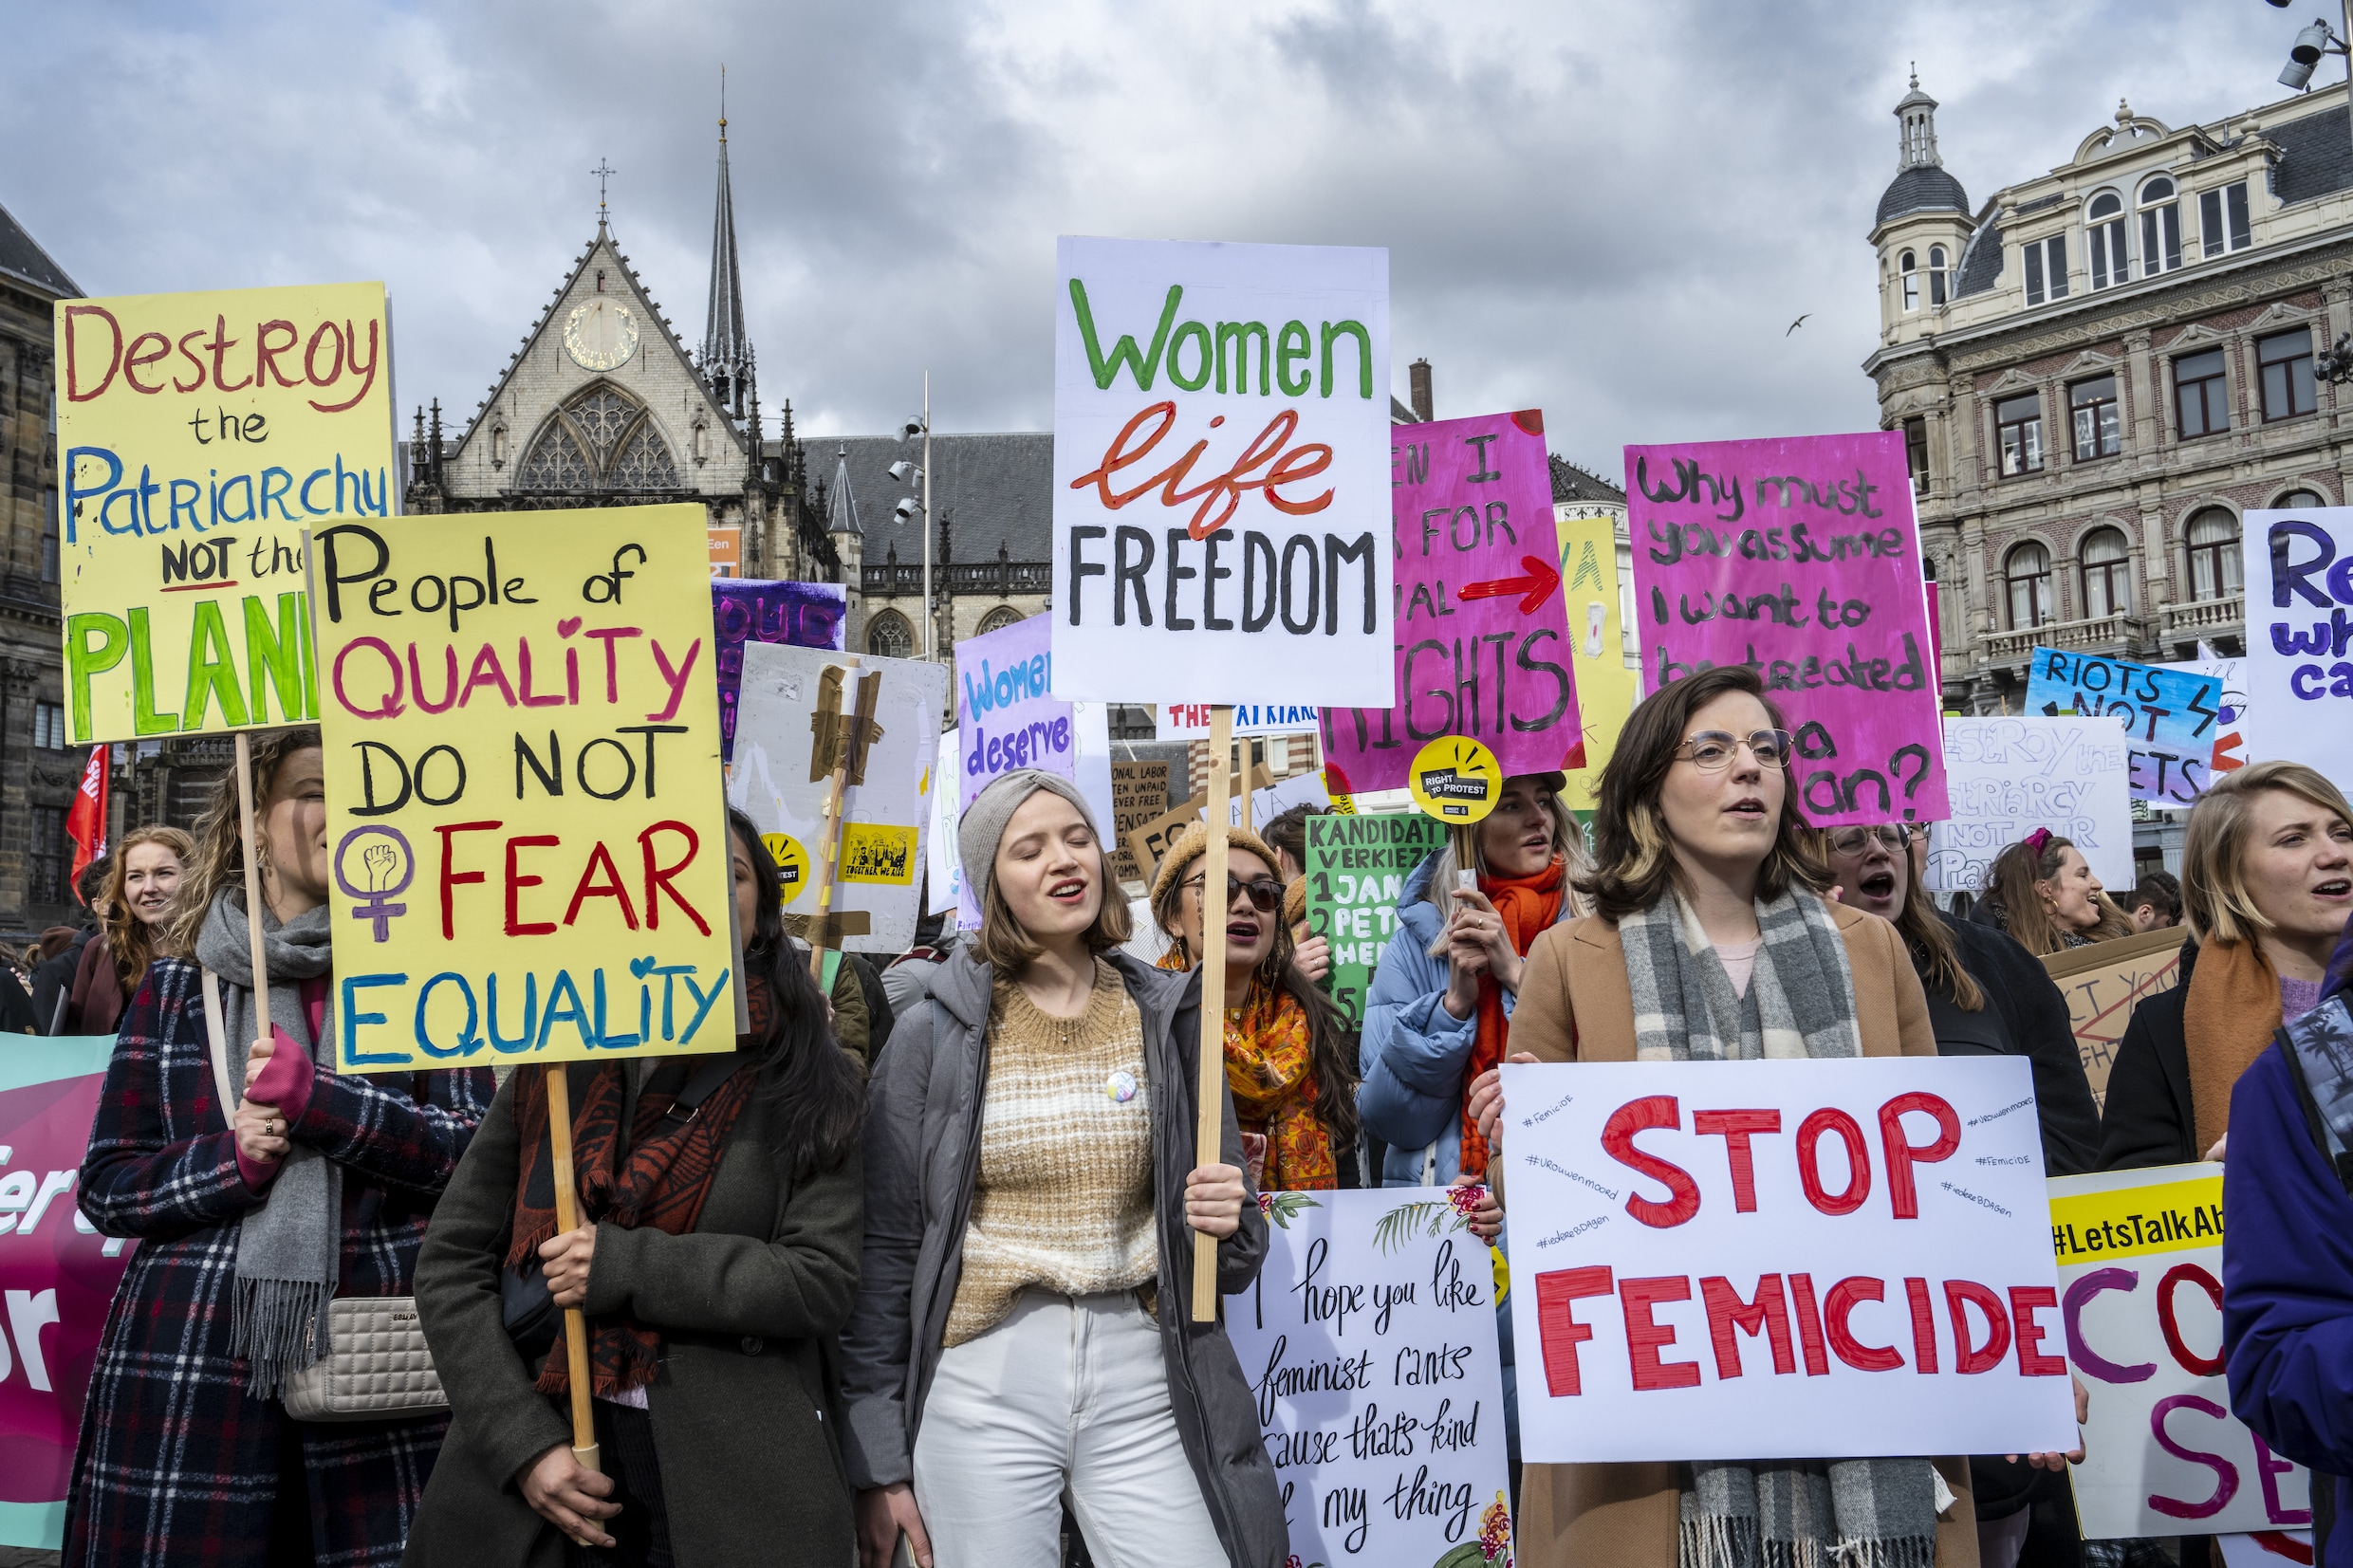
(250, 1219)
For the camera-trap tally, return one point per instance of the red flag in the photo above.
(86, 824)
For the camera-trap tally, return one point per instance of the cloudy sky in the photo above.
(1609, 211)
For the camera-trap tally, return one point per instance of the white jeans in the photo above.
(1066, 1397)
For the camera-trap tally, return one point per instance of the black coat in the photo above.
(2148, 1120)
(16, 1016)
(52, 981)
(2025, 1014)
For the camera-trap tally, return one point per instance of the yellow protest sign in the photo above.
(198, 435)
(528, 833)
(1606, 690)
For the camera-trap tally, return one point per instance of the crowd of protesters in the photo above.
(905, 1277)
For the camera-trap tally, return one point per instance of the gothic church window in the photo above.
(2160, 228)
(604, 439)
(889, 636)
(556, 463)
(997, 620)
(2105, 237)
(644, 464)
(2026, 572)
(2213, 553)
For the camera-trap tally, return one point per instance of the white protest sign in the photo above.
(1799, 1260)
(1189, 721)
(2299, 574)
(1369, 1337)
(2141, 1261)
(945, 871)
(1092, 723)
(1221, 472)
(2007, 777)
(1267, 804)
(886, 816)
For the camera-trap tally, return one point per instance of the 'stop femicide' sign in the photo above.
(1221, 497)
(1800, 559)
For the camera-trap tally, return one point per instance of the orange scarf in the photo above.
(1527, 906)
(1271, 1069)
(2233, 1011)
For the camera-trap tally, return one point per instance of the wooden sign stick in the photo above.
(830, 842)
(567, 1218)
(252, 894)
(1209, 1131)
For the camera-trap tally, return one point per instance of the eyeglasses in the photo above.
(1854, 840)
(1265, 892)
(1711, 751)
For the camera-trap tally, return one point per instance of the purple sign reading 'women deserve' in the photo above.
(799, 615)
(1481, 633)
(1800, 559)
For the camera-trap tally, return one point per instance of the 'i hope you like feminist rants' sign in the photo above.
(1221, 492)
(1799, 558)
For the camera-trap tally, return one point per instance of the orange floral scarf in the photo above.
(1527, 906)
(1270, 1069)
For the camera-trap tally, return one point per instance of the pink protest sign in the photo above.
(1800, 559)
(1481, 634)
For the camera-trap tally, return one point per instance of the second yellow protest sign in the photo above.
(527, 825)
(1605, 688)
(198, 435)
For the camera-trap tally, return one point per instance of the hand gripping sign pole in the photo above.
(840, 747)
(1210, 1131)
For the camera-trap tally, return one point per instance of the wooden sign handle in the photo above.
(258, 948)
(1210, 1131)
(567, 1218)
(829, 841)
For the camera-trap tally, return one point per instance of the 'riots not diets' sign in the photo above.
(1221, 472)
(1782, 1259)
(1800, 559)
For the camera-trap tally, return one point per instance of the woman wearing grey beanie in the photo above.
(1023, 1332)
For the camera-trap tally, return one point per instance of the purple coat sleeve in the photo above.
(2287, 1275)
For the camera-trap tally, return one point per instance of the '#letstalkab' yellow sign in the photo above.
(198, 435)
(527, 821)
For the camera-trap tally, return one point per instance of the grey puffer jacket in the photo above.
(923, 1114)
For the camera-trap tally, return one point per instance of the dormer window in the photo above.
(2222, 220)
(2160, 228)
(1935, 276)
(2103, 230)
(2047, 269)
(1910, 268)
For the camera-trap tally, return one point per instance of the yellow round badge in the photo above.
(792, 862)
(1455, 780)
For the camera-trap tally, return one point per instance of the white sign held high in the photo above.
(2007, 777)
(2299, 608)
(1221, 472)
(1782, 1259)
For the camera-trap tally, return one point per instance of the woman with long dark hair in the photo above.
(1289, 1062)
(717, 1251)
(250, 1217)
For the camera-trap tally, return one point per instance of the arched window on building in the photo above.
(2103, 237)
(2107, 574)
(602, 439)
(997, 620)
(1935, 276)
(2160, 228)
(2026, 572)
(2212, 537)
(1906, 264)
(889, 636)
(2299, 501)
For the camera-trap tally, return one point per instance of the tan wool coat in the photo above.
(1575, 1005)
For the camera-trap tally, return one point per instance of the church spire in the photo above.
(727, 352)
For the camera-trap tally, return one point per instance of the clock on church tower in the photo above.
(599, 334)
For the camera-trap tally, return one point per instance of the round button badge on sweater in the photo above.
(1120, 1087)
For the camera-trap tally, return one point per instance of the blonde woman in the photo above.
(134, 910)
(2267, 884)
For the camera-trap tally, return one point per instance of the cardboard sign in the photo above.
(2105, 982)
(1146, 842)
(529, 844)
(1482, 639)
(57, 1275)
(199, 436)
(1606, 689)
(880, 882)
(1799, 1259)
(2007, 777)
(1369, 1337)
(1139, 794)
(2171, 720)
(1800, 559)
(1357, 868)
(1221, 430)
(2299, 573)
(2140, 1264)
(803, 614)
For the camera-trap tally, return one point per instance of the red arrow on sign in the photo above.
(1538, 585)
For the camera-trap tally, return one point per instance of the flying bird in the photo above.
(1794, 325)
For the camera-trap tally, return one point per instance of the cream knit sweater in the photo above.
(1064, 1198)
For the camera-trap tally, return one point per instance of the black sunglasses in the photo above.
(1265, 892)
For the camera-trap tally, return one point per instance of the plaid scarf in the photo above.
(1870, 1513)
(1526, 905)
(660, 1180)
(1271, 1069)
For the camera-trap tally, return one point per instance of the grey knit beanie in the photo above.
(983, 824)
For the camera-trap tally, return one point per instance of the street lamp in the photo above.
(908, 505)
(2313, 45)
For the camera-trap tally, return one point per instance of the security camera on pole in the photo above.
(904, 471)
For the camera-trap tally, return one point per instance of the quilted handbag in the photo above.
(376, 1367)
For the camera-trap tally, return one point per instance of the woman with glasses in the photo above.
(1288, 1061)
(1024, 1328)
(2043, 894)
(1709, 944)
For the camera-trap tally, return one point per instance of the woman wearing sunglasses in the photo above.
(1288, 1060)
(1708, 931)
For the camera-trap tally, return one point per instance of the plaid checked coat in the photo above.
(176, 1463)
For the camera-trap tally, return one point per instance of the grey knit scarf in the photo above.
(1858, 1513)
(288, 1248)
